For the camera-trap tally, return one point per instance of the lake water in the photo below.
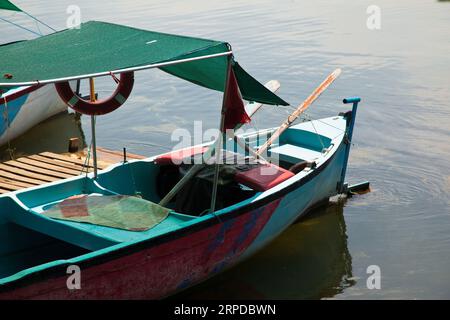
(401, 140)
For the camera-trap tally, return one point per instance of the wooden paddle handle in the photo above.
(300, 109)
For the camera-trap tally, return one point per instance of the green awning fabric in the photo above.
(6, 5)
(99, 47)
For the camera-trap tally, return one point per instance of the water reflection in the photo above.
(308, 261)
(51, 135)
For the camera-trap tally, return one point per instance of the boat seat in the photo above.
(177, 157)
(292, 153)
(263, 177)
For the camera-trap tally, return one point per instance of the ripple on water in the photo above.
(401, 183)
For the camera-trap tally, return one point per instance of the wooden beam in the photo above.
(16, 183)
(49, 166)
(52, 155)
(9, 186)
(69, 159)
(16, 177)
(120, 154)
(28, 167)
(27, 173)
(58, 163)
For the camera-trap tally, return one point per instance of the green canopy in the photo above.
(98, 48)
(6, 5)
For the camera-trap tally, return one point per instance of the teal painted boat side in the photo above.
(295, 195)
(296, 203)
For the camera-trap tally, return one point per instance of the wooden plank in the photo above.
(49, 166)
(8, 186)
(52, 155)
(27, 167)
(119, 154)
(4, 191)
(59, 163)
(16, 177)
(27, 173)
(69, 159)
(16, 183)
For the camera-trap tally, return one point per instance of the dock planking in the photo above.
(33, 170)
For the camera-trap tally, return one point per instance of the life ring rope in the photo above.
(118, 98)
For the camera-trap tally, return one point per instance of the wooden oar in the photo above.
(251, 109)
(300, 109)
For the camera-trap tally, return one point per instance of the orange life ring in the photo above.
(99, 107)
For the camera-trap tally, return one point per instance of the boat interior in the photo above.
(30, 239)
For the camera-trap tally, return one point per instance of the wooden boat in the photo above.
(149, 228)
(25, 106)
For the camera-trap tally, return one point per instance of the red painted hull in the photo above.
(158, 270)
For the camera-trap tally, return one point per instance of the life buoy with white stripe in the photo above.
(99, 107)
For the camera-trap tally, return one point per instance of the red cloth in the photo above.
(235, 110)
(263, 177)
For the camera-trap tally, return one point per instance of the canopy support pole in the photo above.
(94, 143)
(221, 137)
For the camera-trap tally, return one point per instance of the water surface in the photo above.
(401, 139)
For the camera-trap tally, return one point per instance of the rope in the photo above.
(86, 160)
(330, 125)
(37, 20)
(21, 27)
(88, 156)
(38, 29)
(314, 127)
(114, 77)
(133, 181)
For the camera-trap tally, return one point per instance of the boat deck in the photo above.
(44, 167)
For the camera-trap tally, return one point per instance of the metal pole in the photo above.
(348, 137)
(107, 73)
(94, 144)
(220, 142)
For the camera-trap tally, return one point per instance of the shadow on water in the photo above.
(51, 135)
(310, 260)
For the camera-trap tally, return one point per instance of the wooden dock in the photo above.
(37, 169)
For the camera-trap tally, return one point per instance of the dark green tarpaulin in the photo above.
(103, 47)
(6, 5)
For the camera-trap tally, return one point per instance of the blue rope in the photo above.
(41, 22)
(21, 27)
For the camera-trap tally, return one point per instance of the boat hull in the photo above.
(175, 261)
(26, 108)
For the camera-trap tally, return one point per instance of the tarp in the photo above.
(7, 5)
(99, 47)
(120, 212)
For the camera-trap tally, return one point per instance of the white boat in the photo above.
(24, 107)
